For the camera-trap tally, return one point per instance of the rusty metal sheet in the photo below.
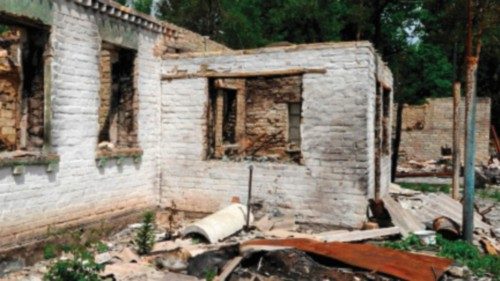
(404, 265)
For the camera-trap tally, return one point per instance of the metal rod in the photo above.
(249, 198)
(456, 141)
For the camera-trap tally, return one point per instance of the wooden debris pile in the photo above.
(415, 211)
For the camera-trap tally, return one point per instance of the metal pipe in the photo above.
(470, 132)
(470, 151)
(249, 198)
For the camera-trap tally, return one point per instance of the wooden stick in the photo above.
(456, 142)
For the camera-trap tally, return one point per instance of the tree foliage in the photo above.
(417, 38)
(143, 6)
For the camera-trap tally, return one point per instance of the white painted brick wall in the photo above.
(337, 138)
(79, 191)
(332, 187)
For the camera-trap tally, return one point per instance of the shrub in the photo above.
(101, 247)
(81, 267)
(49, 251)
(145, 237)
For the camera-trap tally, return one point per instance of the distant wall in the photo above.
(426, 128)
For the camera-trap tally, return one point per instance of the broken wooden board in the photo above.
(357, 235)
(490, 246)
(404, 265)
(402, 217)
(228, 269)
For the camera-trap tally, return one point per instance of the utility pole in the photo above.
(470, 140)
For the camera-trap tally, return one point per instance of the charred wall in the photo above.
(250, 119)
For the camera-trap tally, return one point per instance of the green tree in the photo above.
(122, 2)
(444, 23)
(201, 16)
(143, 6)
(425, 73)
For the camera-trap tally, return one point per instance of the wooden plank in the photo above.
(402, 217)
(244, 74)
(228, 269)
(357, 235)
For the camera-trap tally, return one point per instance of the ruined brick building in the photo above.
(105, 111)
(427, 130)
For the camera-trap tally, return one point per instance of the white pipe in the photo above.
(220, 224)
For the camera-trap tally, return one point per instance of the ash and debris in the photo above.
(191, 257)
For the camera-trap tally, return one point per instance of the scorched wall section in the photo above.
(333, 184)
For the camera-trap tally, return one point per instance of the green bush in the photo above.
(467, 254)
(426, 187)
(101, 247)
(81, 267)
(145, 237)
(492, 194)
(50, 251)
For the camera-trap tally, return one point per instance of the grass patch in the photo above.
(491, 194)
(461, 252)
(426, 187)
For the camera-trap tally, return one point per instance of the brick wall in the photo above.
(338, 142)
(426, 128)
(337, 136)
(79, 191)
(10, 71)
(267, 113)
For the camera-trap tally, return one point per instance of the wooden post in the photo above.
(456, 141)
(47, 100)
(219, 123)
(240, 110)
(495, 138)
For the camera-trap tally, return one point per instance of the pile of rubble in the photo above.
(416, 211)
(492, 171)
(231, 245)
(485, 174)
(440, 167)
